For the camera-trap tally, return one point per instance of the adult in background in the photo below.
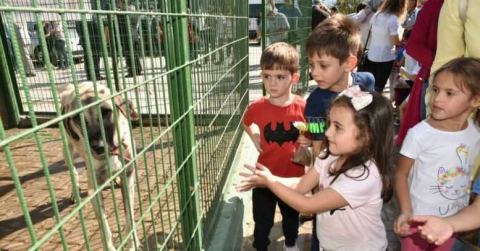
(47, 31)
(277, 25)
(363, 17)
(319, 13)
(123, 28)
(412, 12)
(94, 38)
(294, 15)
(59, 36)
(421, 46)
(23, 39)
(457, 37)
(385, 35)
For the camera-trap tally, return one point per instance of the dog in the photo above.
(76, 143)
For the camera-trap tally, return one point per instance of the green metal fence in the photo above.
(286, 21)
(184, 67)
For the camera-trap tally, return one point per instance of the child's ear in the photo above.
(351, 63)
(295, 78)
(476, 101)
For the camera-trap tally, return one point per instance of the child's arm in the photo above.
(304, 141)
(301, 185)
(254, 133)
(317, 147)
(407, 74)
(402, 223)
(322, 201)
(292, 190)
(402, 61)
(437, 230)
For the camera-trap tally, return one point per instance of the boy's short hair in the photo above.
(280, 56)
(465, 73)
(337, 36)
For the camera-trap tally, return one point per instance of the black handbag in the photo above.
(363, 58)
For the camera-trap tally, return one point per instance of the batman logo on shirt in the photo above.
(280, 135)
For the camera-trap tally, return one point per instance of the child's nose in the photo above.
(328, 132)
(438, 97)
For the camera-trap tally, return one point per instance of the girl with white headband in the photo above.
(354, 174)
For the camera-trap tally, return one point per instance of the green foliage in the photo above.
(347, 6)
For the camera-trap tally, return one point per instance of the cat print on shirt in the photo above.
(453, 183)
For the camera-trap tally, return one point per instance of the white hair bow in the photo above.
(359, 98)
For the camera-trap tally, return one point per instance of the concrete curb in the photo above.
(230, 225)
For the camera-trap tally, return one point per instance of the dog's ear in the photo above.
(121, 104)
(64, 92)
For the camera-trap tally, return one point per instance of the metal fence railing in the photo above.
(183, 66)
(286, 21)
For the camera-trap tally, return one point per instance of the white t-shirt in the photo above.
(384, 25)
(363, 21)
(440, 178)
(359, 225)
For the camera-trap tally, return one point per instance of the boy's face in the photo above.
(329, 74)
(278, 83)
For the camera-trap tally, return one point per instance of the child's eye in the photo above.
(435, 90)
(281, 77)
(265, 76)
(449, 93)
(324, 66)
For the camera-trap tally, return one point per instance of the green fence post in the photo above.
(264, 35)
(181, 101)
(9, 109)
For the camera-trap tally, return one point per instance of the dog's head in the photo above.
(92, 122)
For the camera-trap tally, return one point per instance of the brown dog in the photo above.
(76, 143)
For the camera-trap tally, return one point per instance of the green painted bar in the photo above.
(191, 93)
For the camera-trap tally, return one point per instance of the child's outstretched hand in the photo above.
(402, 224)
(258, 142)
(435, 230)
(256, 177)
(304, 141)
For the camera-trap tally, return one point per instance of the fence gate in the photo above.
(181, 65)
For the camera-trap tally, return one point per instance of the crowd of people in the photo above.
(359, 161)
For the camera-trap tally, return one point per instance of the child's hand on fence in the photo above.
(402, 224)
(258, 142)
(304, 141)
(435, 230)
